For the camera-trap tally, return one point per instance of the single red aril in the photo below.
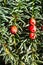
(13, 29)
(32, 36)
(32, 28)
(32, 21)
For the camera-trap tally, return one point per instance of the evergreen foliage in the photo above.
(19, 49)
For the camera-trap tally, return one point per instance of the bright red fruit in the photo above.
(13, 29)
(32, 21)
(32, 28)
(32, 35)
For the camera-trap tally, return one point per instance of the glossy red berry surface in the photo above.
(32, 21)
(32, 28)
(13, 29)
(32, 35)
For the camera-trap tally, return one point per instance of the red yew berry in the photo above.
(32, 28)
(32, 36)
(32, 21)
(13, 29)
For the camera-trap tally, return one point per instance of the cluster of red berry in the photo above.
(32, 28)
